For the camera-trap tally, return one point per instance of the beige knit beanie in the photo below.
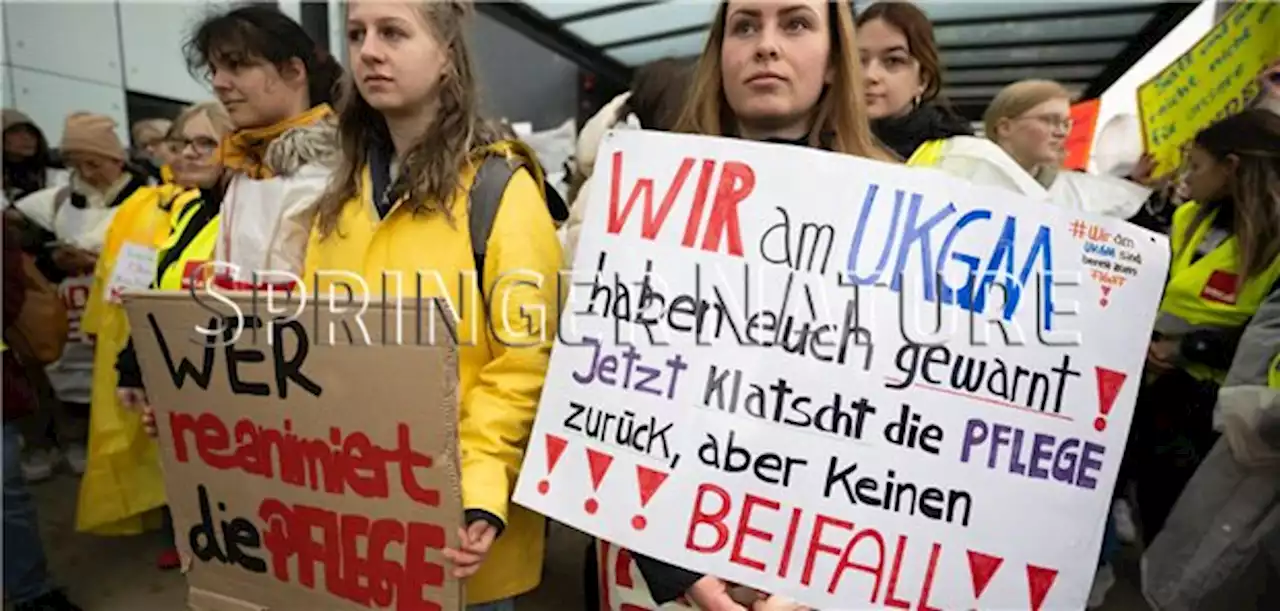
(89, 133)
(14, 118)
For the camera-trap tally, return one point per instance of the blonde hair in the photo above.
(149, 129)
(841, 111)
(213, 109)
(430, 171)
(1016, 99)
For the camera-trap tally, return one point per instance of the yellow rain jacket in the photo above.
(122, 480)
(500, 381)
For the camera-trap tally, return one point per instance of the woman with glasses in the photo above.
(123, 482)
(1030, 120)
(1026, 127)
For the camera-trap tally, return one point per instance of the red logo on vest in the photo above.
(193, 273)
(1221, 287)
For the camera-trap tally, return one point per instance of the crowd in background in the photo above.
(287, 166)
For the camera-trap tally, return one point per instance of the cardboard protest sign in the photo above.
(1218, 77)
(787, 368)
(305, 468)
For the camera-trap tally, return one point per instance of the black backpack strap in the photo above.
(486, 197)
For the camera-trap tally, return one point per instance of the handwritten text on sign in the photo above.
(288, 489)
(134, 269)
(761, 390)
(1216, 78)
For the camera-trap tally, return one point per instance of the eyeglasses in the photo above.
(201, 144)
(1053, 121)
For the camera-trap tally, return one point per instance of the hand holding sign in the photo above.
(476, 540)
(1143, 172)
(712, 594)
(134, 399)
(777, 603)
(800, 440)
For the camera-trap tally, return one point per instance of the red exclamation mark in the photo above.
(555, 447)
(1109, 383)
(982, 567)
(1039, 581)
(599, 463)
(649, 481)
(1106, 292)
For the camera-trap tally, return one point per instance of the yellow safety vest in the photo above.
(195, 244)
(1208, 291)
(927, 154)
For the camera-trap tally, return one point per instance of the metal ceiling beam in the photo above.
(1167, 17)
(1011, 44)
(1064, 63)
(1100, 11)
(1031, 44)
(548, 33)
(1068, 83)
(663, 35)
(1103, 11)
(1098, 63)
(601, 11)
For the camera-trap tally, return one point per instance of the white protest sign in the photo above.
(751, 381)
(135, 267)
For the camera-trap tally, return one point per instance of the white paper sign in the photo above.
(771, 424)
(135, 268)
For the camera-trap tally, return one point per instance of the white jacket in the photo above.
(82, 227)
(983, 162)
(585, 160)
(265, 223)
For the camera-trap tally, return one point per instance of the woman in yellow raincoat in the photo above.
(368, 223)
(122, 485)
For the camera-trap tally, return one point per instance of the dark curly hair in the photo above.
(261, 31)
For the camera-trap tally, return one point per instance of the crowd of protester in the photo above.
(287, 167)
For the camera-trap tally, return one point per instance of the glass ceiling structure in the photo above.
(985, 44)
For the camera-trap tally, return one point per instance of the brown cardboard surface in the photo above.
(257, 438)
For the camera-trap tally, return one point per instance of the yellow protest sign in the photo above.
(1216, 78)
